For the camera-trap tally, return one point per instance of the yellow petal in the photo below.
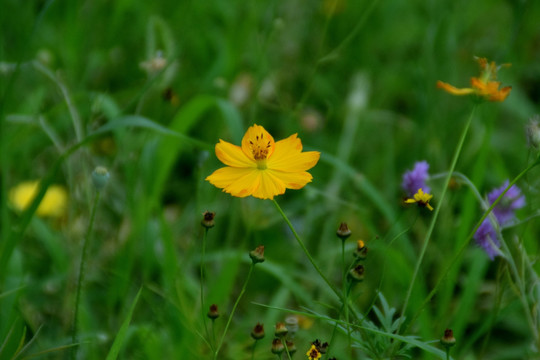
(269, 186)
(54, 203)
(232, 155)
(253, 135)
(453, 90)
(240, 182)
(292, 180)
(288, 157)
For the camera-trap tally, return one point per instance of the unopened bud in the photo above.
(356, 274)
(258, 332)
(213, 312)
(277, 346)
(361, 250)
(291, 347)
(100, 177)
(532, 130)
(343, 231)
(448, 339)
(257, 255)
(208, 219)
(281, 329)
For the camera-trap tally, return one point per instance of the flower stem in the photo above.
(455, 158)
(233, 310)
(203, 315)
(301, 243)
(80, 279)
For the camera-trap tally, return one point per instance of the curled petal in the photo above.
(454, 90)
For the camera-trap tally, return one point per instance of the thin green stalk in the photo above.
(253, 350)
(203, 315)
(80, 279)
(301, 243)
(216, 352)
(346, 291)
(284, 342)
(457, 152)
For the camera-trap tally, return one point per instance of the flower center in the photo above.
(260, 148)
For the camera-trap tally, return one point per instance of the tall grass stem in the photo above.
(427, 238)
(80, 279)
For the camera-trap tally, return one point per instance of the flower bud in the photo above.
(532, 130)
(208, 219)
(356, 274)
(343, 231)
(257, 255)
(361, 250)
(291, 347)
(281, 329)
(258, 332)
(100, 177)
(213, 312)
(448, 339)
(277, 346)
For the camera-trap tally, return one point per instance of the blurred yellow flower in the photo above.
(261, 167)
(421, 198)
(53, 204)
(313, 353)
(484, 86)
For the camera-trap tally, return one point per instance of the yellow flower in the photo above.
(261, 167)
(484, 86)
(421, 198)
(53, 203)
(313, 353)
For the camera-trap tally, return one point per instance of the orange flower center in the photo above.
(260, 148)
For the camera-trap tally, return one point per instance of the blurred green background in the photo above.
(356, 81)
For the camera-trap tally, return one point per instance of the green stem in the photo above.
(80, 279)
(203, 315)
(253, 350)
(233, 310)
(435, 216)
(301, 243)
(284, 342)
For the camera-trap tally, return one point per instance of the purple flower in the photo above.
(486, 235)
(511, 201)
(486, 238)
(416, 178)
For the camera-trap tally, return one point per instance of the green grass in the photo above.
(356, 81)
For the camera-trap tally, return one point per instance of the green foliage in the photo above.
(147, 89)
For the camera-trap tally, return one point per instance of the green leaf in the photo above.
(121, 336)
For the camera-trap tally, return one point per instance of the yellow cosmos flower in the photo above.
(53, 204)
(261, 167)
(484, 86)
(313, 353)
(422, 199)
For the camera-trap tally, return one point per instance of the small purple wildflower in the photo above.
(486, 235)
(416, 178)
(511, 201)
(486, 238)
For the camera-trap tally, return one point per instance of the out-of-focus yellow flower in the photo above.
(53, 204)
(261, 167)
(485, 86)
(313, 353)
(422, 199)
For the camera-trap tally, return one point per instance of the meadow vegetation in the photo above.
(412, 191)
